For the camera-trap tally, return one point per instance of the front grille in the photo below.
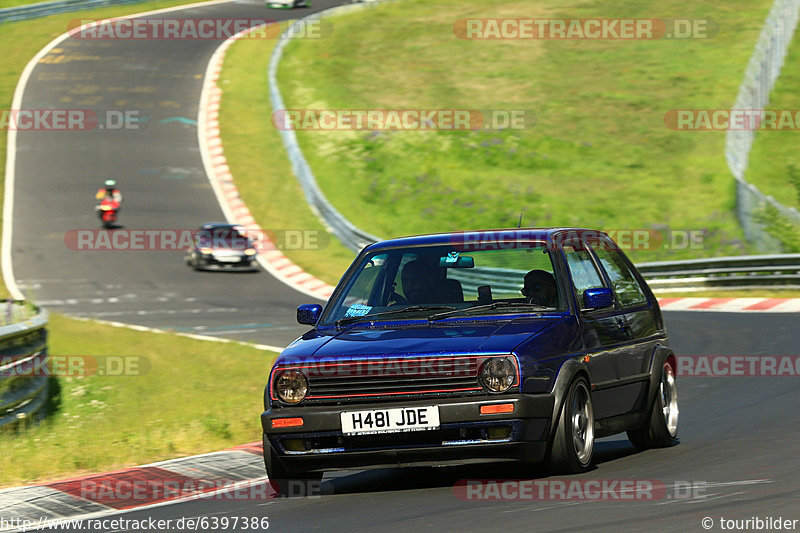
(393, 377)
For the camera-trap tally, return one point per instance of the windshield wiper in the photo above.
(486, 307)
(412, 309)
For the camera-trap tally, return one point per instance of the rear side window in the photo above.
(584, 273)
(628, 290)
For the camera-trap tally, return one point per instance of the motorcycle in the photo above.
(107, 211)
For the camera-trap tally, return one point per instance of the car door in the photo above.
(637, 317)
(604, 336)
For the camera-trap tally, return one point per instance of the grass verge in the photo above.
(195, 397)
(599, 154)
(259, 163)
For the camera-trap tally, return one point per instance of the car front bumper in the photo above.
(463, 436)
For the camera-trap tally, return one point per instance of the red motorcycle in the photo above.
(108, 212)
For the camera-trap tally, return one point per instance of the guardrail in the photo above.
(45, 9)
(23, 350)
(351, 236)
(719, 273)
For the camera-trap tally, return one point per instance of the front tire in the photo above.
(572, 447)
(289, 483)
(661, 429)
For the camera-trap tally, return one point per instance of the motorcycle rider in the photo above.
(108, 191)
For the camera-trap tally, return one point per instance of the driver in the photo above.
(420, 282)
(540, 288)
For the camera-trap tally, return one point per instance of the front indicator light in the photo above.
(250, 251)
(291, 386)
(287, 422)
(497, 408)
(497, 374)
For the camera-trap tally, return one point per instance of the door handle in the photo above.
(623, 326)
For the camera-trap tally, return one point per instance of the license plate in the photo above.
(390, 420)
(229, 258)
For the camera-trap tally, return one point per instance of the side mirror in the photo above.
(597, 298)
(308, 314)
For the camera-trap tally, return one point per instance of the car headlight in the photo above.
(206, 251)
(291, 386)
(250, 251)
(497, 374)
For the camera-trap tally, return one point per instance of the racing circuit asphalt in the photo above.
(738, 447)
(159, 170)
(737, 435)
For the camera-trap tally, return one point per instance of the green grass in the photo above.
(16, 3)
(259, 163)
(196, 397)
(599, 154)
(775, 158)
(20, 41)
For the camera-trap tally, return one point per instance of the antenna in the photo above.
(519, 224)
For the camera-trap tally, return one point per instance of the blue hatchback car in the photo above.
(510, 345)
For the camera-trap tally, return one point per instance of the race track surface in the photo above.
(737, 447)
(160, 172)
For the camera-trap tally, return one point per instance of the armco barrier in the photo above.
(719, 273)
(44, 9)
(351, 236)
(23, 344)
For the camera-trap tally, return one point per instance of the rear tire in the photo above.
(572, 447)
(289, 483)
(661, 430)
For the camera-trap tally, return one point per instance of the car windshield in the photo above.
(433, 282)
(222, 238)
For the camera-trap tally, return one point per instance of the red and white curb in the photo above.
(237, 473)
(219, 174)
(731, 305)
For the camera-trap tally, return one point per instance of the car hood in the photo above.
(494, 336)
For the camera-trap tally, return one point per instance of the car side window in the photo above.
(628, 290)
(584, 272)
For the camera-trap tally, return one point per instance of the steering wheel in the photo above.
(397, 299)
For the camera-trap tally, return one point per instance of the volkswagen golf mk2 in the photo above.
(509, 345)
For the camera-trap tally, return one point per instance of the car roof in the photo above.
(218, 225)
(489, 235)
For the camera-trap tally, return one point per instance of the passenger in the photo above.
(540, 288)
